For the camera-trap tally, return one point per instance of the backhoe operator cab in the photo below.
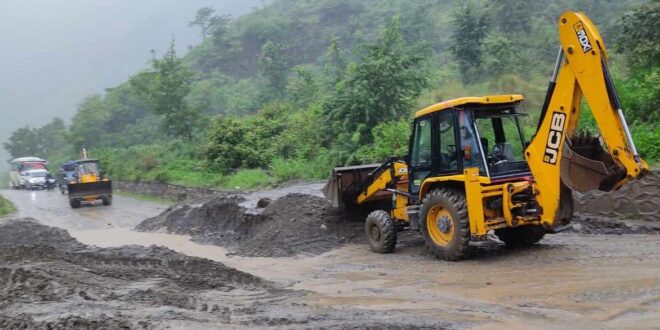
(473, 132)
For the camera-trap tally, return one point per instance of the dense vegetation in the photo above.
(297, 87)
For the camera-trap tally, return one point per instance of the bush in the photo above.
(301, 169)
(390, 139)
(6, 206)
(246, 179)
(246, 143)
(646, 139)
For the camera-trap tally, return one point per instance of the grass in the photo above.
(145, 198)
(246, 179)
(6, 207)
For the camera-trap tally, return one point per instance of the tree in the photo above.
(218, 26)
(164, 91)
(469, 31)
(639, 42)
(640, 36)
(274, 65)
(335, 67)
(203, 20)
(512, 16)
(383, 86)
(52, 137)
(23, 142)
(89, 122)
(40, 142)
(211, 25)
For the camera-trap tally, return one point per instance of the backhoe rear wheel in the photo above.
(444, 224)
(520, 236)
(381, 231)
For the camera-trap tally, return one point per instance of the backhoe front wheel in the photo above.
(444, 224)
(381, 231)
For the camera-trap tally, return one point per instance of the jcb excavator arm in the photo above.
(557, 153)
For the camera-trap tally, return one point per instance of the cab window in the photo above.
(448, 160)
(421, 155)
(470, 140)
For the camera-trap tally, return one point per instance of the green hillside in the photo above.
(297, 87)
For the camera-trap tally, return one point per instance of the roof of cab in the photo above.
(491, 99)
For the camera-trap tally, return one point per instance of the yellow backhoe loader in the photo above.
(470, 169)
(88, 183)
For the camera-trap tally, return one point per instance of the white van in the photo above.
(27, 172)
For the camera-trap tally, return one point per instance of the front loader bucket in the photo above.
(90, 189)
(346, 183)
(586, 166)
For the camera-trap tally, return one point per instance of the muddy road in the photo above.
(52, 208)
(593, 278)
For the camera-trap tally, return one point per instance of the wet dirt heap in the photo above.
(48, 280)
(637, 200)
(294, 224)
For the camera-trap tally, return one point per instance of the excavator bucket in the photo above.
(346, 183)
(586, 166)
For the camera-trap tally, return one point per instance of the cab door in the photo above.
(433, 148)
(421, 153)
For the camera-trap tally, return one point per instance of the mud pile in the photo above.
(291, 225)
(638, 200)
(43, 270)
(48, 280)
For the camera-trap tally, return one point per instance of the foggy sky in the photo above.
(53, 53)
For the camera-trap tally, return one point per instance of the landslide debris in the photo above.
(48, 280)
(291, 225)
(44, 270)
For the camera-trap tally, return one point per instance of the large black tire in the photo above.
(107, 200)
(444, 224)
(380, 231)
(520, 236)
(74, 203)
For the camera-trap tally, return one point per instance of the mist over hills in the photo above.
(54, 53)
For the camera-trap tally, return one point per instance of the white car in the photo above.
(34, 179)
